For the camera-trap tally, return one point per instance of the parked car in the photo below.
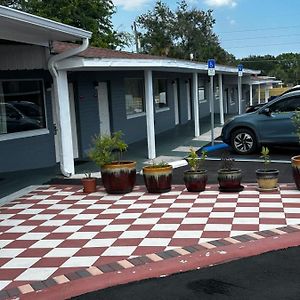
(271, 124)
(15, 121)
(252, 108)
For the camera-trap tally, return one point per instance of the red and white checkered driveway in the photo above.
(56, 230)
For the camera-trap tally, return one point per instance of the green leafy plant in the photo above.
(296, 121)
(227, 162)
(160, 164)
(107, 149)
(88, 175)
(194, 161)
(265, 155)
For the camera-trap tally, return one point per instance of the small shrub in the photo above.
(264, 154)
(227, 162)
(194, 161)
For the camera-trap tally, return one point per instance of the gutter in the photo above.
(53, 71)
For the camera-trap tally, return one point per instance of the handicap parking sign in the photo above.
(211, 64)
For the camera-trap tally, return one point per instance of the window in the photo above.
(217, 93)
(232, 96)
(202, 94)
(286, 105)
(21, 106)
(160, 93)
(134, 96)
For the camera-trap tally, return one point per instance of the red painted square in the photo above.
(48, 262)
(215, 234)
(44, 229)
(143, 250)
(58, 235)
(192, 227)
(97, 251)
(73, 243)
(245, 227)
(20, 244)
(108, 234)
(151, 215)
(246, 215)
(223, 209)
(10, 274)
(219, 221)
(160, 234)
(127, 242)
(272, 221)
(183, 242)
(34, 252)
(140, 227)
(170, 221)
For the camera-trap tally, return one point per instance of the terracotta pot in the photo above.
(119, 177)
(158, 179)
(267, 179)
(89, 185)
(296, 170)
(230, 180)
(195, 181)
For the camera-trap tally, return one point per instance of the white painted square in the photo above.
(187, 234)
(73, 228)
(99, 222)
(271, 204)
(139, 206)
(11, 222)
(85, 217)
(54, 223)
(248, 200)
(74, 197)
(49, 202)
(134, 234)
(190, 196)
(121, 227)
(129, 216)
(82, 235)
(146, 221)
(62, 252)
(149, 197)
(200, 209)
(22, 206)
(99, 206)
(46, 244)
(221, 215)
(3, 243)
(175, 215)
(79, 261)
(6, 216)
(20, 229)
(36, 274)
(10, 252)
(250, 221)
(60, 206)
(165, 227)
(290, 221)
(39, 197)
(119, 251)
(276, 215)
(269, 196)
(169, 200)
(156, 210)
(71, 211)
(99, 243)
(225, 204)
(292, 210)
(155, 242)
(205, 200)
(4, 283)
(182, 205)
(20, 263)
(217, 227)
(194, 221)
(112, 197)
(269, 226)
(32, 236)
(113, 211)
(249, 209)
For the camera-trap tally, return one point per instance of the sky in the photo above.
(244, 27)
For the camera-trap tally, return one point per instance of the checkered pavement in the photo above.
(56, 230)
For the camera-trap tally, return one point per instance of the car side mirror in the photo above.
(266, 111)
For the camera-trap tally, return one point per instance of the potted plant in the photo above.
(89, 183)
(267, 179)
(296, 159)
(229, 178)
(158, 177)
(118, 176)
(195, 179)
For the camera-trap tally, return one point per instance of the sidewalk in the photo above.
(56, 235)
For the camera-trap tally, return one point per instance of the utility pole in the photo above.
(137, 40)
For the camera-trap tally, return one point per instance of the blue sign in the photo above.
(240, 68)
(211, 63)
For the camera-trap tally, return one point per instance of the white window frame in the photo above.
(167, 107)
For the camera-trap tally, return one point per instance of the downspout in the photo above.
(53, 71)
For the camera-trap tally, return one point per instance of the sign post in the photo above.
(211, 65)
(240, 75)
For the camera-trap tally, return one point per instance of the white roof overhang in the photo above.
(26, 28)
(81, 63)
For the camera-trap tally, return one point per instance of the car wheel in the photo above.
(243, 141)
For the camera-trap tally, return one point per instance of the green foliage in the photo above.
(296, 121)
(227, 162)
(107, 149)
(194, 161)
(285, 66)
(180, 32)
(160, 164)
(92, 15)
(265, 155)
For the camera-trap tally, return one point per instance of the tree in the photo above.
(92, 15)
(181, 32)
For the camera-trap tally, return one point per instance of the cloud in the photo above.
(219, 3)
(130, 4)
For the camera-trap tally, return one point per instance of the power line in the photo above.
(262, 45)
(260, 37)
(263, 28)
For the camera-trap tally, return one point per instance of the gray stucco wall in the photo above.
(29, 152)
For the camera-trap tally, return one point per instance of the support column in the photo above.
(240, 94)
(267, 93)
(221, 99)
(251, 94)
(64, 123)
(188, 99)
(196, 104)
(176, 104)
(150, 114)
(258, 93)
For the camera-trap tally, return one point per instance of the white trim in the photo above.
(80, 62)
(137, 115)
(196, 104)
(176, 100)
(43, 23)
(159, 110)
(221, 98)
(23, 134)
